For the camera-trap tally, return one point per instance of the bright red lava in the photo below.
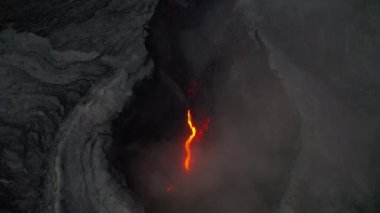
(195, 136)
(188, 142)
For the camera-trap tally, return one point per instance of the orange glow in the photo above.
(202, 130)
(170, 188)
(189, 141)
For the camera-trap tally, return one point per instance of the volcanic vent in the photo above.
(212, 130)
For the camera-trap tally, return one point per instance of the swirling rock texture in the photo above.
(66, 69)
(293, 89)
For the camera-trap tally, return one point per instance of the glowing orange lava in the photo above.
(189, 141)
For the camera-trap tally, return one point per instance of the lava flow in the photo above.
(195, 136)
(189, 141)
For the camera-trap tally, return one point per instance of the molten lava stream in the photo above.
(189, 141)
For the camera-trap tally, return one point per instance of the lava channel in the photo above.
(189, 141)
(195, 136)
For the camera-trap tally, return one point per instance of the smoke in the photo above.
(243, 162)
(275, 129)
